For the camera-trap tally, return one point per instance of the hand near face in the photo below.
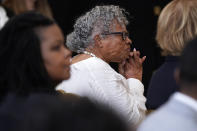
(132, 68)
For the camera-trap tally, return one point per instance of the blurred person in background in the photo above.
(180, 111)
(9, 8)
(42, 112)
(177, 25)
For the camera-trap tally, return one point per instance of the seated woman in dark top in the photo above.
(32, 54)
(177, 25)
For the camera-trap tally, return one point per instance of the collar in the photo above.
(172, 58)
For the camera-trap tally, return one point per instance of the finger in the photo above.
(121, 70)
(123, 62)
(136, 55)
(143, 59)
(131, 54)
(127, 66)
(121, 65)
(131, 60)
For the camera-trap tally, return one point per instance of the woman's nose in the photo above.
(128, 41)
(67, 53)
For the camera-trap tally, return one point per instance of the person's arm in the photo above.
(132, 70)
(123, 95)
(126, 95)
(137, 90)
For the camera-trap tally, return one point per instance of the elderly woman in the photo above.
(33, 56)
(100, 36)
(177, 25)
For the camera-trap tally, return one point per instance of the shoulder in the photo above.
(100, 68)
(156, 121)
(99, 63)
(2, 10)
(167, 117)
(163, 76)
(163, 81)
(93, 64)
(3, 16)
(166, 69)
(97, 70)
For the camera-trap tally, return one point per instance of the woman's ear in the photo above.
(177, 75)
(98, 41)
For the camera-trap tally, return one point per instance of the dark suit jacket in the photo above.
(162, 83)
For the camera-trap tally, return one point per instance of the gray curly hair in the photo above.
(96, 21)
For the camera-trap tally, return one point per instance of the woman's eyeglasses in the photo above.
(123, 34)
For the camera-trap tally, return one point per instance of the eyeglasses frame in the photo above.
(123, 34)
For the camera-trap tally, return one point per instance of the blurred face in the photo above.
(116, 46)
(30, 4)
(55, 56)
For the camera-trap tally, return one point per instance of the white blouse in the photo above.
(95, 79)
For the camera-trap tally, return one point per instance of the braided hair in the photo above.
(22, 69)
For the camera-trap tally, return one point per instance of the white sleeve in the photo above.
(125, 96)
(3, 17)
(137, 90)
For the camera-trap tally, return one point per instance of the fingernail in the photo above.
(134, 49)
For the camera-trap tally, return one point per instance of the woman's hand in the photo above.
(132, 68)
